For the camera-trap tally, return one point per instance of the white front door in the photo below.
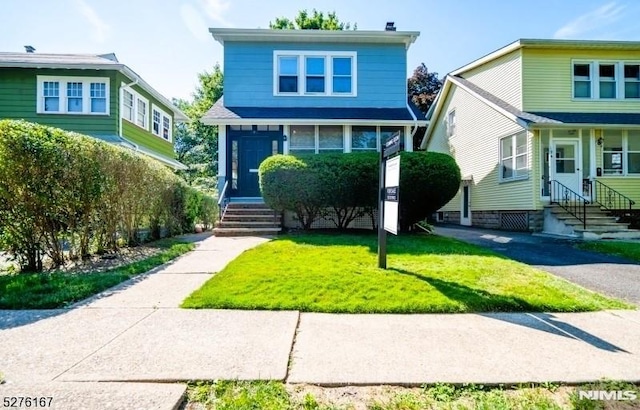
(565, 167)
(465, 206)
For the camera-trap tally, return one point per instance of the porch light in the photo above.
(600, 141)
(284, 137)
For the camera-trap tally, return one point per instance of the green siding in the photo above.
(18, 89)
(476, 148)
(547, 81)
(143, 136)
(628, 186)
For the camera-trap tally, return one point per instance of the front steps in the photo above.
(599, 225)
(248, 219)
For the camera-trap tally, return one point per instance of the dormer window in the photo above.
(315, 73)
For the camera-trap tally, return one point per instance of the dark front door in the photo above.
(253, 150)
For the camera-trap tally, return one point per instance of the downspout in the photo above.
(120, 96)
(415, 124)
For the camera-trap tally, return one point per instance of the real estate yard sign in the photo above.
(389, 189)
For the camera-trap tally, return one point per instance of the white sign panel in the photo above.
(391, 184)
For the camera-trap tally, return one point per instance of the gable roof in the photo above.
(84, 62)
(548, 44)
(315, 36)
(219, 114)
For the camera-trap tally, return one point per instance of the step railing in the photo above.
(612, 200)
(223, 201)
(569, 200)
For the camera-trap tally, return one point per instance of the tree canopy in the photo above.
(423, 87)
(316, 20)
(196, 144)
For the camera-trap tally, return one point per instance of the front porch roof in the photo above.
(219, 115)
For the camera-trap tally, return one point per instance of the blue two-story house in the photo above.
(307, 91)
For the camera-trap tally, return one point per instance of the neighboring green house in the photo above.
(91, 94)
(539, 124)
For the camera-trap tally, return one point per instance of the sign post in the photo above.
(388, 196)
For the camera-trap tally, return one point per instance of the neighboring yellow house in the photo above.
(540, 122)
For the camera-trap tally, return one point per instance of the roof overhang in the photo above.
(308, 121)
(314, 36)
(549, 44)
(179, 116)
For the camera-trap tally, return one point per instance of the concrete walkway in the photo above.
(88, 357)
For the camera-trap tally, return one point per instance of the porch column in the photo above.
(222, 156)
(408, 139)
(347, 138)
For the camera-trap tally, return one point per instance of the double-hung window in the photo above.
(51, 96)
(314, 73)
(632, 81)
(314, 139)
(513, 157)
(135, 109)
(608, 83)
(342, 75)
(72, 95)
(606, 80)
(160, 123)
(582, 80)
(315, 78)
(288, 75)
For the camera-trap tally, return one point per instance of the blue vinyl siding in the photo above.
(248, 76)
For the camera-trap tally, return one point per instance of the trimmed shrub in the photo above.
(343, 187)
(66, 195)
(287, 183)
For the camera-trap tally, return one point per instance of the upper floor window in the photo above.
(606, 80)
(160, 123)
(315, 73)
(72, 95)
(135, 108)
(451, 123)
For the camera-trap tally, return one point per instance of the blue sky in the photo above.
(167, 41)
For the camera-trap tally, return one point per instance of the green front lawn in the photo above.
(338, 273)
(629, 250)
(60, 289)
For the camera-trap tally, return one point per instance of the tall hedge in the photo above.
(342, 187)
(65, 195)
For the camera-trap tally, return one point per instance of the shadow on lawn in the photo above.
(407, 244)
(477, 300)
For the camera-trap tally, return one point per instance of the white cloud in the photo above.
(215, 10)
(194, 22)
(592, 21)
(100, 28)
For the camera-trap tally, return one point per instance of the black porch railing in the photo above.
(570, 201)
(612, 200)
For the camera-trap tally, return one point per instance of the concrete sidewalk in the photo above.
(88, 356)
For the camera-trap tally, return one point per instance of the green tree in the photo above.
(196, 144)
(314, 21)
(423, 88)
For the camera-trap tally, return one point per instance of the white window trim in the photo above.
(625, 158)
(514, 157)
(451, 125)
(347, 142)
(594, 71)
(86, 94)
(163, 114)
(316, 139)
(136, 97)
(328, 72)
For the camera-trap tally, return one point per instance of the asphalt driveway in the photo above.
(602, 273)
